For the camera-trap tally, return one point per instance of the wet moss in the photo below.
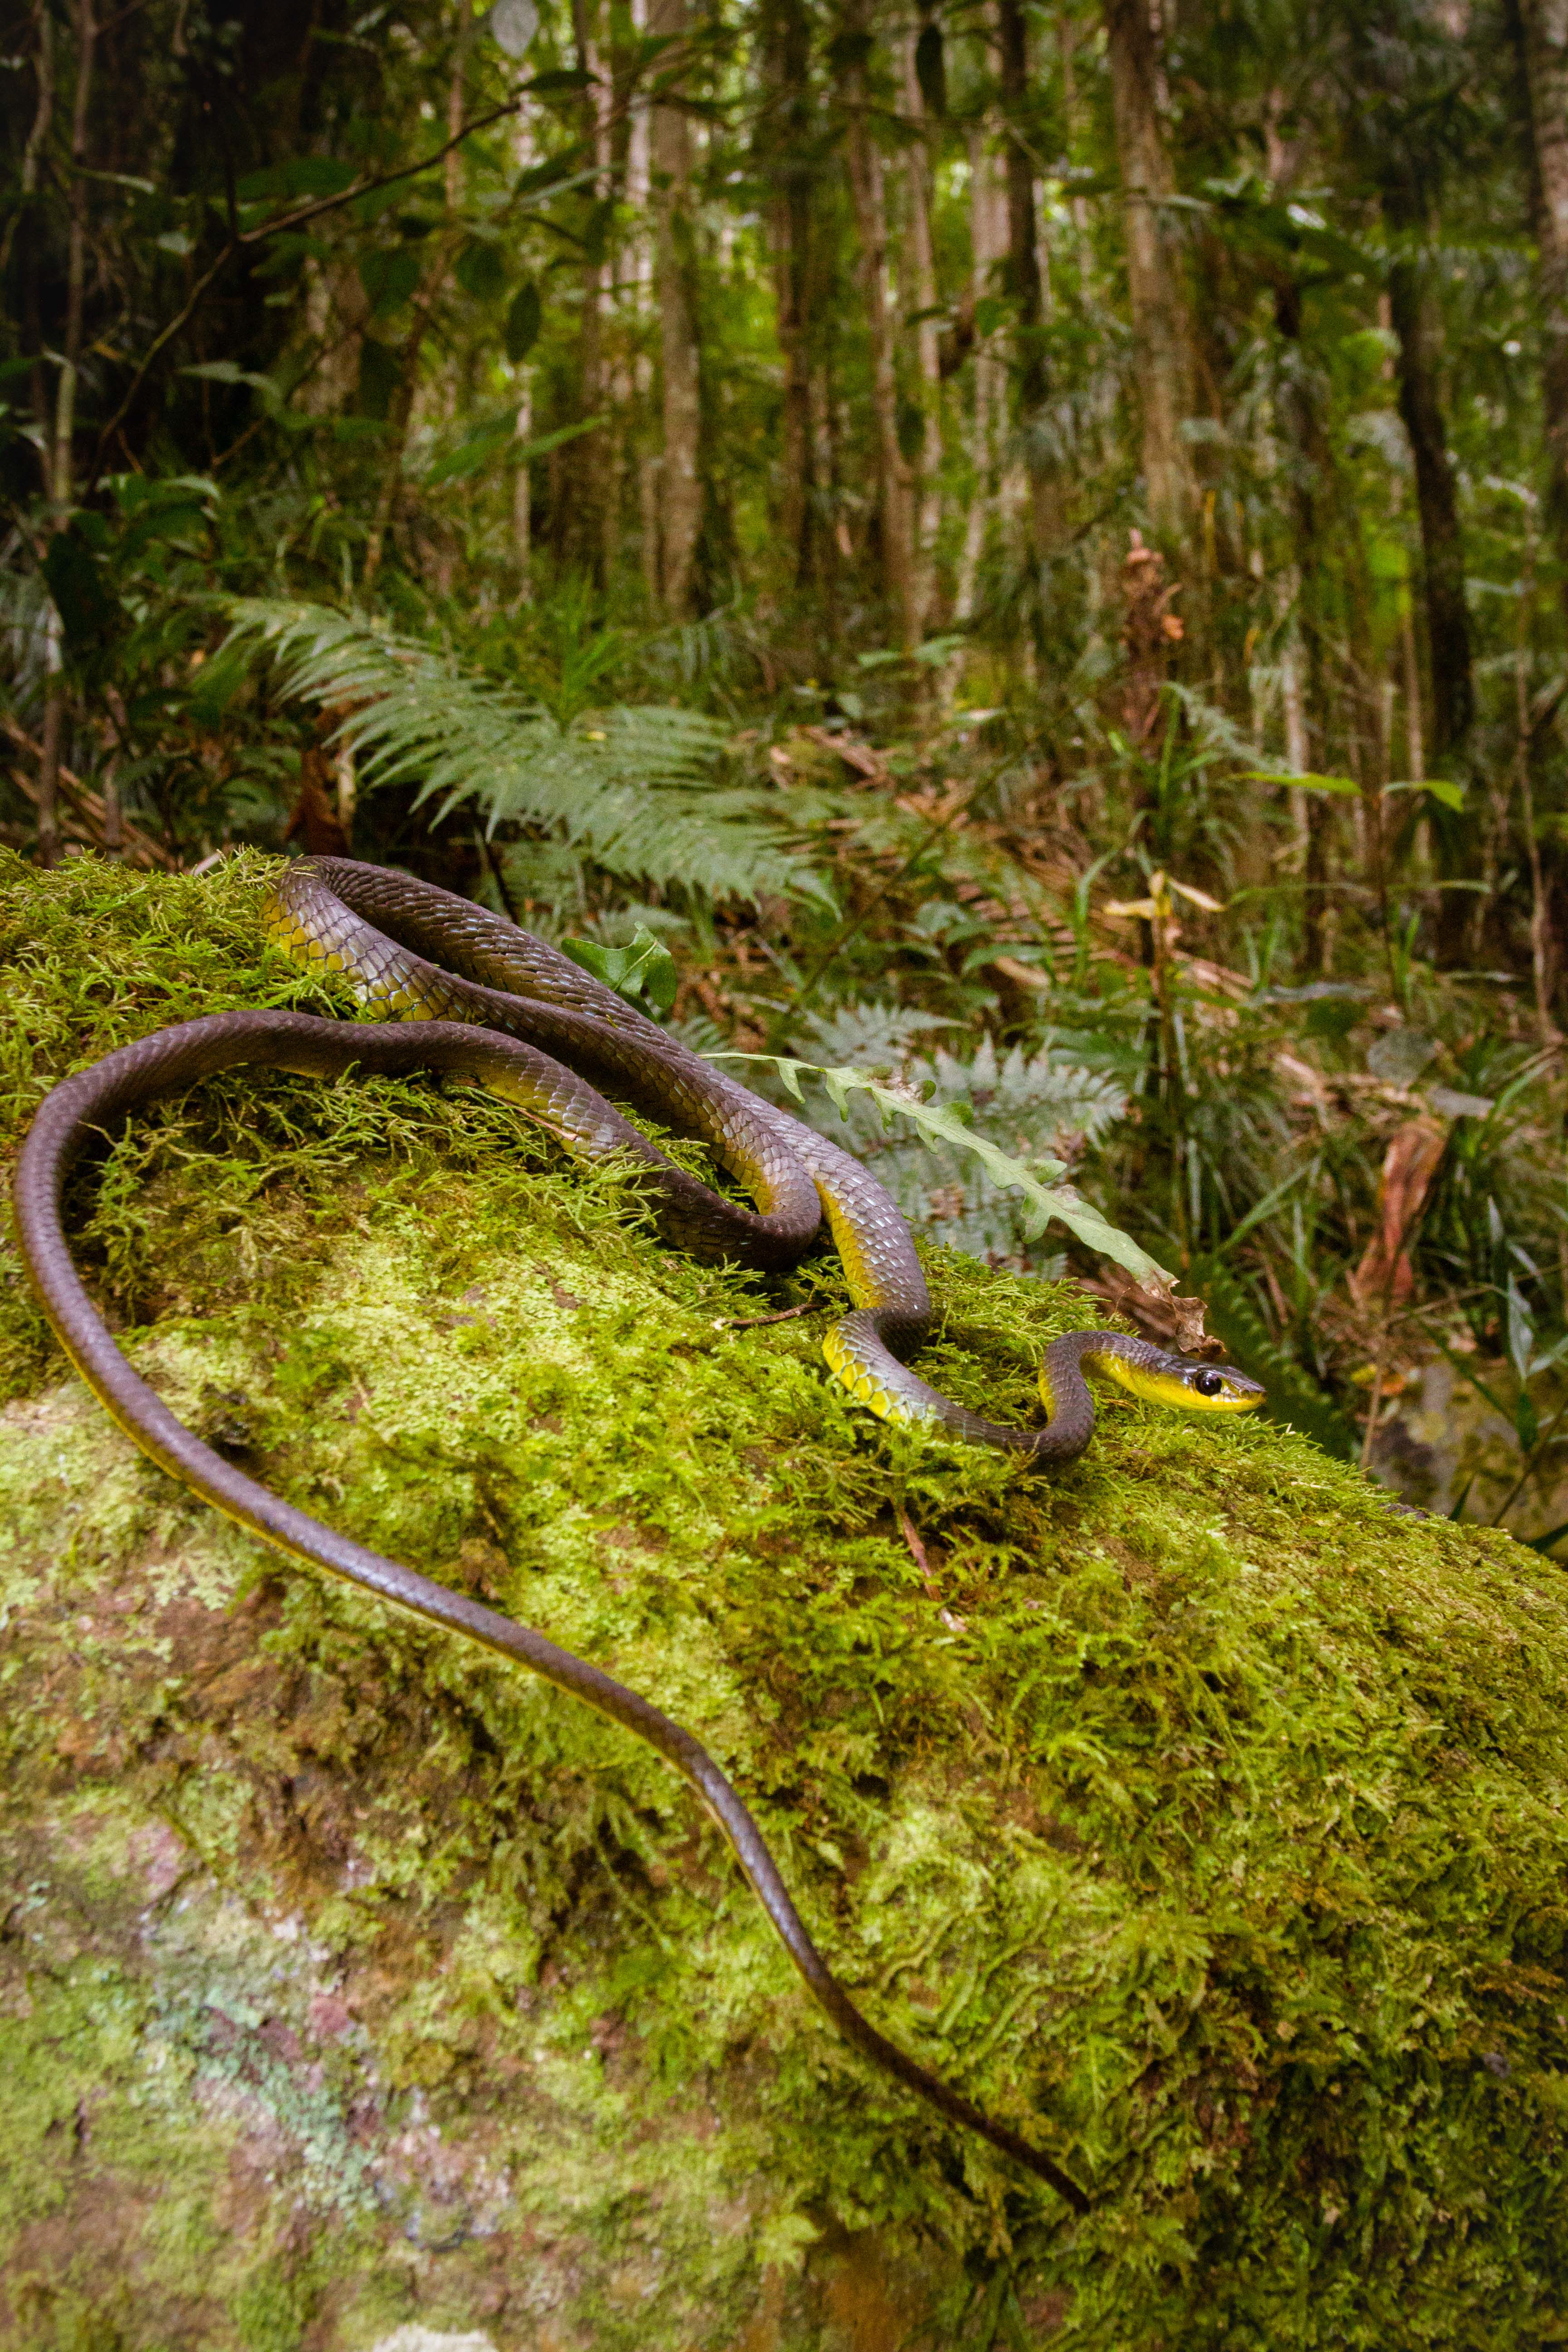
(1191, 1811)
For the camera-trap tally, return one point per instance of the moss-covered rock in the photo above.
(1189, 1810)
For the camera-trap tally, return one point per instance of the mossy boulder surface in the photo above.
(1196, 1815)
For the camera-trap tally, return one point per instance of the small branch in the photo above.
(87, 806)
(400, 415)
(753, 1322)
(250, 236)
(45, 795)
(384, 180)
(917, 1553)
(491, 864)
(1372, 1410)
(159, 342)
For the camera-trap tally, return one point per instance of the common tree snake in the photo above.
(459, 990)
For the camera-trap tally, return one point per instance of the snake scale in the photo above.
(460, 991)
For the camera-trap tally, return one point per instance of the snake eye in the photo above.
(1208, 1384)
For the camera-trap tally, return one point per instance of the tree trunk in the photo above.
(893, 494)
(76, 266)
(400, 415)
(584, 536)
(1416, 322)
(1310, 459)
(51, 736)
(26, 226)
(928, 341)
(523, 156)
(1067, 34)
(787, 163)
(63, 469)
(1161, 328)
(523, 493)
(987, 245)
(400, 409)
(1415, 318)
(1023, 283)
(680, 479)
(1540, 33)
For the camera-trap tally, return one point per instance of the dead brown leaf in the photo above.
(1385, 1276)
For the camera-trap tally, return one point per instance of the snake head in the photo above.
(1212, 1387)
(1169, 1380)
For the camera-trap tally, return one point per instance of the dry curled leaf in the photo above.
(1385, 1276)
(1161, 1315)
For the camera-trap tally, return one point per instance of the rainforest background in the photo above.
(1020, 550)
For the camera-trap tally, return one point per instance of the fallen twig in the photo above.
(87, 806)
(751, 1322)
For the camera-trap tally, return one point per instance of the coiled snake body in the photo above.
(463, 991)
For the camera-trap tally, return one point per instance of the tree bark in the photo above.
(1162, 328)
(680, 477)
(51, 738)
(1310, 459)
(1023, 277)
(987, 245)
(788, 162)
(1391, 126)
(76, 266)
(1416, 322)
(928, 340)
(400, 410)
(523, 493)
(23, 226)
(1415, 318)
(894, 503)
(584, 534)
(1540, 29)
(400, 417)
(63, 470)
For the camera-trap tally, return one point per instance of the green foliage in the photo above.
(987, 1200)
(643, 969)
(523, 320)
(630, 785)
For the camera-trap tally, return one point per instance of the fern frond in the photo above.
(871, 1037)
(630, 787)
(950, 1141)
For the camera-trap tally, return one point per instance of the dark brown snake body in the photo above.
(472, 995)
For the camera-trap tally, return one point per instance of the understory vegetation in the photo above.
(1020, 555)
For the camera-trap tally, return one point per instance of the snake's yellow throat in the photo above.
(1177, 1380)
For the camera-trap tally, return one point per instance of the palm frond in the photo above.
(630, 787)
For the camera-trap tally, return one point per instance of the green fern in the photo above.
(946, 1127)
(630, 787)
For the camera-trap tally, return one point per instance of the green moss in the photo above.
(1205, 1819)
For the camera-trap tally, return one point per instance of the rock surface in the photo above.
(1191, 1811)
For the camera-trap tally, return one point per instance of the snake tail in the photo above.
(97, 1098)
